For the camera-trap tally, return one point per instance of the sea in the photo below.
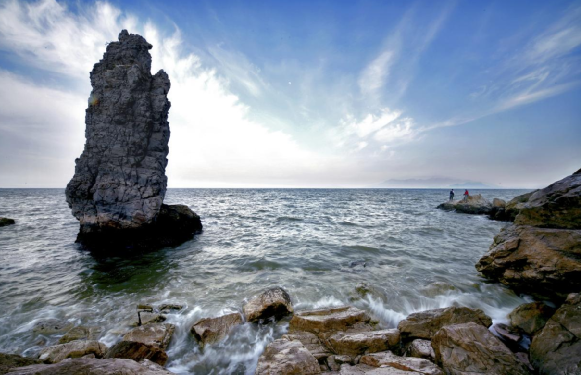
(389, 252)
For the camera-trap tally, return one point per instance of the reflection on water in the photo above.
(317, 244)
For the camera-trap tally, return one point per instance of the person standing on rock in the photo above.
(466, 195)
(452, 194)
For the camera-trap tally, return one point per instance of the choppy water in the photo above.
(317, 244)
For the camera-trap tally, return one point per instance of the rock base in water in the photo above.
(475, 204)
(6, 221)
(174, 225)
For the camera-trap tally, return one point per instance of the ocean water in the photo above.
(318, 244)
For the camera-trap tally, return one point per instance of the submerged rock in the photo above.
(73, 349)
(469, 348)
(425, 324)
(11, 361)
(6, 221)
(273, 303)
(557, 348)
(119, 183)
(211, 330)
(50, 326)
(284, 357)
(80, 333)
(89, 366)
(475, 204)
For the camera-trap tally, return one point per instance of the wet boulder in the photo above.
(73, 349)
(426, 323)
(333, 319)
(284, 357)
(273, 303)
(4, 221)
(91, 366)
(211, 330)
(155, 334)
(420, 348)
(354, 344)
(531, 317)
(470, 348)
(474, 204)
(557, 348)
(390, 360)
(137, 351)
(10, 361)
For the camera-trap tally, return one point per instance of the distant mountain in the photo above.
(435, 182)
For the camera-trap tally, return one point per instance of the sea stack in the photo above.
(119, 184)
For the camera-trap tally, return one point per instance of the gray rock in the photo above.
(363, 369)
(426, 323)
(10, 361)
(353, 344)
(273, 303)
(155, 334)
(211, 330)
(284, 357)
(311, 342)
(88, 366)
(388, 359)
(469, 348)
(420, 348)
(73, 349)
(328, 320)
(557, 348)
(6, 221)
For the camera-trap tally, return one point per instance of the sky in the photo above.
(338, 94)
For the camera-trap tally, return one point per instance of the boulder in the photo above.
(388, 359)
(50, 326)
(498, 210)
(510, 336)
(557, 348)
(284, 357)
(328, 320)
(498, 203)
(6, 221)
(556, 206)
(475, 204)
(91, 366)
(155, 334)
(211, 330)
(146, 317)
(273, 303)
(119, 183)
(80, 333)
(137, 351)
(469, 348)
(362, 369)
(354, 344)
(542, 262)
(311, 342)
(10, 361)
(73, 349)
(426, 323)
(531, 317)
(420, 348)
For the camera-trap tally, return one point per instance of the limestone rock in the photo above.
(274, 302)
(211, 330)
(469, 348)
(420, 348)
(155, 334)
(556, 206)
(426, 323)
(388, 359)
(353, 344)
(119, 181)
(73, 349)
(531, 317)
(557, 348)
(328, 320)
(50, 326)
(539, 261)
(80, 333)
(10, 361)
(475, 204)
(283, 357)
(137, 351)
(88, 366)
(311, 342)
(6, 221)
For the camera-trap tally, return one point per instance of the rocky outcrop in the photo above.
(531, 317)
(119, 183)
(541, 253)
(155, 334)
(73, 349)
(88, 366)
(273, 303)
(557, 348)
(11, 361)
(516, 204)
(211, 330)
(425, 324)
(469, 348)
(284, 357)
(328, 320)
(6, 221)
(539, 261)
(137, 351)
(475, 204)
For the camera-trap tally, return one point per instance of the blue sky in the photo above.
(309, 93)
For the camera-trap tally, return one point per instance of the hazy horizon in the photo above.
(317, 94)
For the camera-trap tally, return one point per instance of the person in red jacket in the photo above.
(466, 195)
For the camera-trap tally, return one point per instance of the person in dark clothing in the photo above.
(452, 194)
